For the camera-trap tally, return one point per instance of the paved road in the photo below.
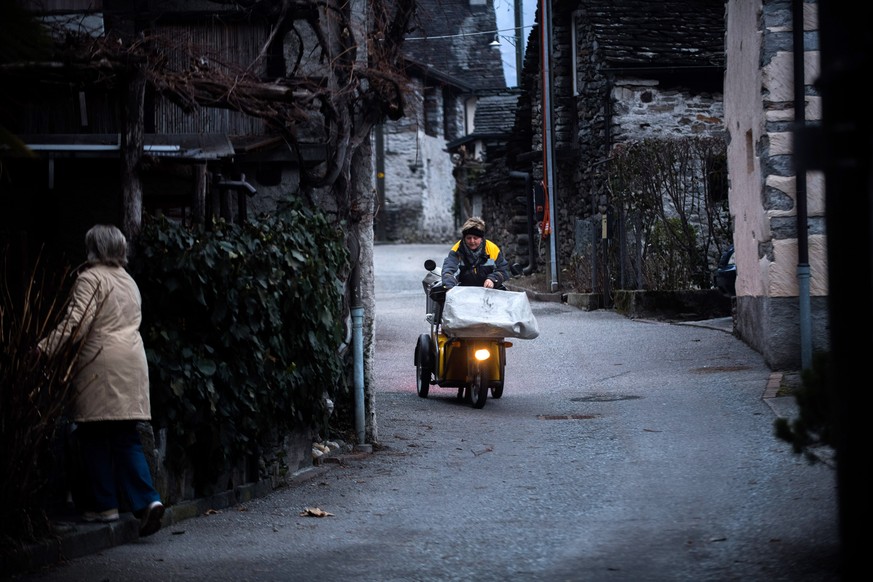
(621, 451)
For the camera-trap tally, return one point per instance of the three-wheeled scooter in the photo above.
(473, 365)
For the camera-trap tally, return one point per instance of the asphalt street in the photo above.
(621, 450)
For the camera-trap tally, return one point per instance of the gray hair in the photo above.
(106, 245)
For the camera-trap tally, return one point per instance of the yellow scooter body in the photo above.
(454, 354)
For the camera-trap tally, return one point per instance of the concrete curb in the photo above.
(785, 406)
(535, 295)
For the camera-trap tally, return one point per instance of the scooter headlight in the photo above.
(482, 354)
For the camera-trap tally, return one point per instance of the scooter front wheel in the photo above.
(478, 391)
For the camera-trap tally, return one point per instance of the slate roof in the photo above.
(494, 120)
(452, 36)
(495, 113)
(663, 33)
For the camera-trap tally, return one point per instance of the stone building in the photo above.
(778, 215)
(626, 70)
(196, 110)
(451, 67)
(617, 71)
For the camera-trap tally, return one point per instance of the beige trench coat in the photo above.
(113, 382)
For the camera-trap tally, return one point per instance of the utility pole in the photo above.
(549, 174)
(519, 48)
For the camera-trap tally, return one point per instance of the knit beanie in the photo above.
(475, 226)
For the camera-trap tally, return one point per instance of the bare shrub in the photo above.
(35, 393)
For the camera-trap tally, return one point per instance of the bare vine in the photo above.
(360, 80)
(673, 191)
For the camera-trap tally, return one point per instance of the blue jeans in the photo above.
(116, 465)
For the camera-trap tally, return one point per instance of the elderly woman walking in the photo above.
(112, 381)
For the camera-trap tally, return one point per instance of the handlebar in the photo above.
(437, 292)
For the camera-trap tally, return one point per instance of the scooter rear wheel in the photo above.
(497, 390)
(422, 380)
(423, 369)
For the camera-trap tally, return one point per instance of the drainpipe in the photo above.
(549, 174)
(531, 254)
(803, 271)
(357, 339)
(240, 184)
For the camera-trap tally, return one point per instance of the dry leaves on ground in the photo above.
(315, 512)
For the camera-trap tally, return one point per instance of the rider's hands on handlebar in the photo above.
(437, 291)
(446, 285)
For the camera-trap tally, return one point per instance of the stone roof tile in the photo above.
(643, 33)
(453, 37)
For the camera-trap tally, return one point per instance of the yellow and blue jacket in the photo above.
(465, 267)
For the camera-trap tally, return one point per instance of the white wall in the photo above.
(419, 186)
(744, 116)
(755, 97)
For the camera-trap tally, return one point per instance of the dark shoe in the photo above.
(151, 519)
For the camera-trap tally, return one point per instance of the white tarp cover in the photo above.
(482, 312)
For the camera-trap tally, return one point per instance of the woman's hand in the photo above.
(488, 284)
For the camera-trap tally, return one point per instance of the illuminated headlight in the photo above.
(482, 354)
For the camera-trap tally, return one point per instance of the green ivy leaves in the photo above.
(243, 326)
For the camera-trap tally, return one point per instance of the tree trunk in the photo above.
(198, 209)
(131, 152)
(363, 208)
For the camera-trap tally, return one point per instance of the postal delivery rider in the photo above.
(474, 260)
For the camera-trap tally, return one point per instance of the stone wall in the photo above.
(595, 108)
(419, 186)
(274, 467)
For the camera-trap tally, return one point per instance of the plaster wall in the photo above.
(744, 121)
(760, 118)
